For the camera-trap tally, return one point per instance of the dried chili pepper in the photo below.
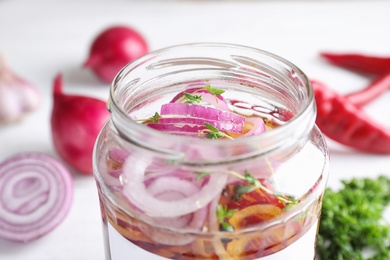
(344, 122)
(374, 65)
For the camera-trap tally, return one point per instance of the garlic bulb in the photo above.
(17, 96)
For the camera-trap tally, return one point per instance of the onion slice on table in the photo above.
(36, 193)
(137, 193)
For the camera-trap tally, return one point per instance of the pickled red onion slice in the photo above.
(258, 126)
(222, 126)
(169, 188)
(137, 193)
(172, 189)
(36, 193)
(216, 101)
(110, 164)
(178, 129)
(198, 111)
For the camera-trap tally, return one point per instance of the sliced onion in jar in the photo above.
(222, 126)
(257, 126)
(177, 129)
(216, 101)
(201, 112)
(168, 171)
(36, 193)
(136, 192)
(111, 163)
(170, 235)
(172, 189)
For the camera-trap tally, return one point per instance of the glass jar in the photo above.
(170, 196)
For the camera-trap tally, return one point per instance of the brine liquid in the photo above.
(120, 248)
(294, 238)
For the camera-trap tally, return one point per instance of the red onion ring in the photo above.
(110, 165)
(198, 111)
(222, 126)
(36, 193)
(137, 194)
(216, 101)
(258, 126)
(173, 189)
(177, 129)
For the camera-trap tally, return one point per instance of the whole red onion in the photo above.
(75, 123)
(112, 49)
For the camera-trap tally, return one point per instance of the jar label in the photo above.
(123, 249)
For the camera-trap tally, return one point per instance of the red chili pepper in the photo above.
(371, 92)
(344, 122)
(373, 65)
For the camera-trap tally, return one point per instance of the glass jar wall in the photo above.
(169, 190)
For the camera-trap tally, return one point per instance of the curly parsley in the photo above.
(352, 224)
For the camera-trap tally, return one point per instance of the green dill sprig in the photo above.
(223, 214)
(211, 132)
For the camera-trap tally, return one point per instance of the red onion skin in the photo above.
(75, 123)
(114, 48)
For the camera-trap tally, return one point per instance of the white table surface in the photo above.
(41, 38)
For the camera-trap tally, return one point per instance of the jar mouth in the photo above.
(215, 60)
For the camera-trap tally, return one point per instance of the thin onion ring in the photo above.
(136, 192)
(198, 111)
(36, 193)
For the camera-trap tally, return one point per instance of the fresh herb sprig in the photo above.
(191, 99)
(211, 132)
(223, 214)
(153, 119)
(352, 221)
(211, 90)
(253, 184)
(214, 91)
